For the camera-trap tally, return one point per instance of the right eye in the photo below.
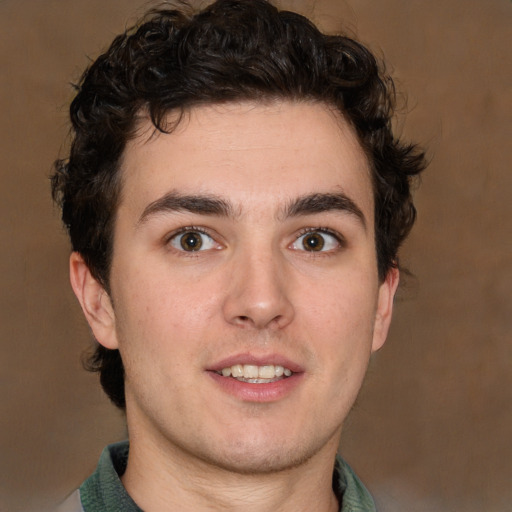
(192, 240)
(317, 240)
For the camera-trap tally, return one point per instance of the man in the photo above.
(235, 200)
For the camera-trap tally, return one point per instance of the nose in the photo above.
(258, 293)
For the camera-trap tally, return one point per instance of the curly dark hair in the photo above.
(232, 50)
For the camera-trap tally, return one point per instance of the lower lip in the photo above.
(247, 392)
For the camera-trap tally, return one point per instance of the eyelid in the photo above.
(194, 229)
(329, 231)
(184, 229)
(325, 231)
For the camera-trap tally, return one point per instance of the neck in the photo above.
(164, 477)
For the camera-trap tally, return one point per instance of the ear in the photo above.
(384, 308)
(95, 302)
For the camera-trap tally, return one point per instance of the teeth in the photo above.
(237, 370)
(267, 372)
(251, 371)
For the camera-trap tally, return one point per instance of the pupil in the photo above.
(191, 242)
(313, 242)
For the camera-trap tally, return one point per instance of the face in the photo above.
(245, 299)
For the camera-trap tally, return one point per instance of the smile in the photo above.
(254, 374)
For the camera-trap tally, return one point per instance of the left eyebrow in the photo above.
(319, 203)
(176, 202)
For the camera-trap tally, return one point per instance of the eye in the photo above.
(317, 241)
(192, 240)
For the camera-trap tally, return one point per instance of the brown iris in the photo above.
(313, 242)
(191, 241)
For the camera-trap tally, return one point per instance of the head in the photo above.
(232, 52)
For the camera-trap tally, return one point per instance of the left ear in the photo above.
(95, 302)
(384, 308)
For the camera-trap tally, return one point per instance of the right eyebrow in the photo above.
(175, 202)
(324, 202)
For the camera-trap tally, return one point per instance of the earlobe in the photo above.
(95, 302)
(384, 311)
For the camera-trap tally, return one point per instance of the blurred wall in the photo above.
(432, 428)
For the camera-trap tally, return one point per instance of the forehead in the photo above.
(253, 154)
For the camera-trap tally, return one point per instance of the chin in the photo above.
(249, 464)
(265, 457)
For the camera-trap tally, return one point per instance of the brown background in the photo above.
(432, 429)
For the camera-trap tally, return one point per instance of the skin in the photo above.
(253, 291)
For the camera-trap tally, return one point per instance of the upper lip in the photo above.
(257, 360)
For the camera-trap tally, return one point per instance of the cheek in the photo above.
(346, 303)
(338, 321)
(155, 288)
(160, 313)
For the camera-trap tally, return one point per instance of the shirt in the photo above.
(103, 491)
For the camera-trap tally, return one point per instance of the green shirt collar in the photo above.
(103, 490)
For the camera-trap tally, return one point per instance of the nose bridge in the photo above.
(257, 293)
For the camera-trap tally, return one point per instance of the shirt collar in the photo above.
(103, 490)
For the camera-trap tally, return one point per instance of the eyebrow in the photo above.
(323, 202)
(309, 204)
(175, 202)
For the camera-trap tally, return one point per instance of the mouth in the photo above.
(254, 374)
(257, 379)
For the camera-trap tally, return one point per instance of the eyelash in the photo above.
(185, 229)
(337, 236)
(323, 230)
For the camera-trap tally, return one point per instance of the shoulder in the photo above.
(351, 492)
(71, 504)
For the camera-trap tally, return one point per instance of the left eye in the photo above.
(316, 241)
(192, 241)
